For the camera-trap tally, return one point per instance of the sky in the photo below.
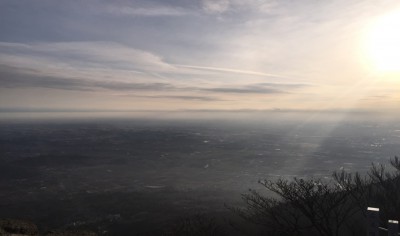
(199, 55)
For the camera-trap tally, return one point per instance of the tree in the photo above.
(304, 207)
(379, 188)
(330, 208)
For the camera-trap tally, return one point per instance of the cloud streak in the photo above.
(143, 52)
(184, 97)
(245, 90)
(230, 70)
(12, 77)
(87, 54)
(19, 78)
(215, 6)
(158, 11)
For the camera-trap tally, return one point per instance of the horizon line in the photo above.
(57, 110)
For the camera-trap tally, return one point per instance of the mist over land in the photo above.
(138, 172)
(123, 116)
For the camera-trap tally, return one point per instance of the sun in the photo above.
(383, 43)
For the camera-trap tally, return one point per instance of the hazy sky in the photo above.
(199, 54)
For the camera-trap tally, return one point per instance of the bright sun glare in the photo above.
(383, 43)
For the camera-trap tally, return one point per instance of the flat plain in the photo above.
(138, 175)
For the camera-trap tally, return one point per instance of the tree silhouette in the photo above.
(310, 206)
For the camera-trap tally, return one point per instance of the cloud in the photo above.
(86, 54)
(284, 85)
(258, 88)
(229, 70)
(245, 90)
(242, 7)
(147, 11)
(86, 61)
(215, 6)
(147, 8)
(377, 97)
(11, 77)
(117, 69)
(184, 97)
(107, 60)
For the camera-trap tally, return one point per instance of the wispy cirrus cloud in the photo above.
(242, 7)
(183, 97)
(245, 90)
(155, 11)
(230, 70)
(200, 51)
(260, 88)
(86, 54)
(215, 6)
(108, 60)
(13, 77)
